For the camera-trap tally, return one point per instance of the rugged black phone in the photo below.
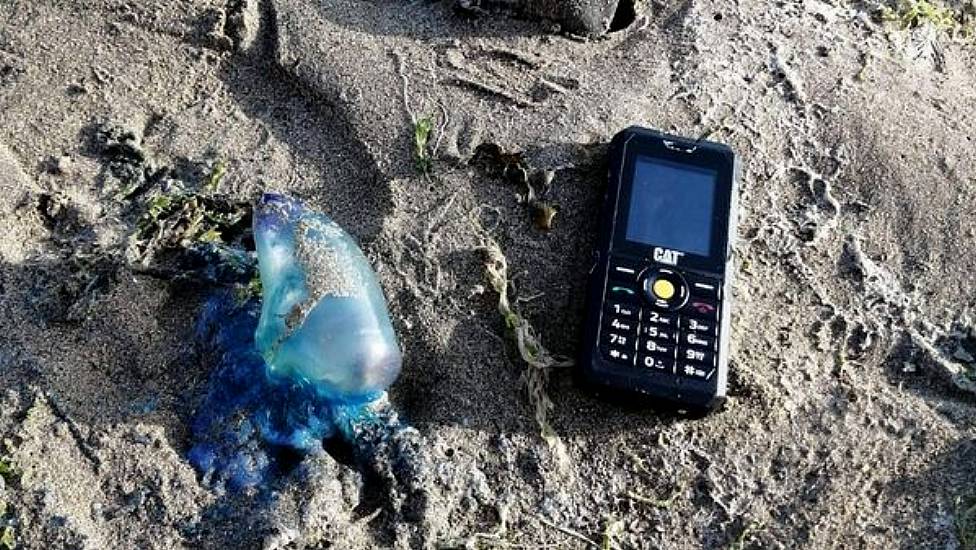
(657, 319)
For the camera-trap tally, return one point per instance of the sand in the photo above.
(852, 412)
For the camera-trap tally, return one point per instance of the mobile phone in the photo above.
(658, 297)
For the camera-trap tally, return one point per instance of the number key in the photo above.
(619, 340)
(622, 310)
(694, 355)
(622, 325)
(693, 339)
(691, 370)
(658, 332)
(657, 318)
(656, 346)
(697, 325)
(618, 355)
(655, 362)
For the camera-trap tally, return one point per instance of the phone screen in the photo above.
(671, 205)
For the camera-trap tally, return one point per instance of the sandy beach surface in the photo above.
(852, 414)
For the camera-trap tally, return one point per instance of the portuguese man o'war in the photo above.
(324, 319)
(309, 362)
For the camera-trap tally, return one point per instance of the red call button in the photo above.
(702, 308)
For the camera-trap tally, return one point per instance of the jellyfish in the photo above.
(308, 361)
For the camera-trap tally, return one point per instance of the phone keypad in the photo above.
(647, 335)
(621, 320)
(698, 330)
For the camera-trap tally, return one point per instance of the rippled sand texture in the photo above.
(852, 411)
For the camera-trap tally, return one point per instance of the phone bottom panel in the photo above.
(634, 386)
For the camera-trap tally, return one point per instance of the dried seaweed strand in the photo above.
(535, 355)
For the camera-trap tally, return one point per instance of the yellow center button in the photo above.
(663, 289)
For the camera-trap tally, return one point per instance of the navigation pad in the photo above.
(662, 320)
